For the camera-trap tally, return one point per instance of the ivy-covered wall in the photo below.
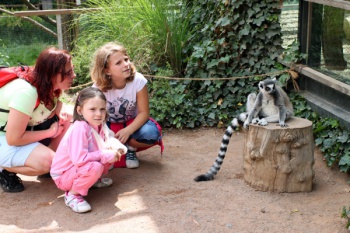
(233, 38)
(228, 39)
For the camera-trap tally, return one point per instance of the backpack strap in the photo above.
(2, 128)
(4, 110)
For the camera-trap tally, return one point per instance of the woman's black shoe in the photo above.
(10, 182)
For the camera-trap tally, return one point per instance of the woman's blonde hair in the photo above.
(100, 63)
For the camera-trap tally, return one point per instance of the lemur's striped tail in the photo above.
(223, 148)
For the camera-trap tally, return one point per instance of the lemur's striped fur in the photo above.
(223, 148)
(270, 105)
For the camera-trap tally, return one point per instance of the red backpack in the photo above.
(7, 74)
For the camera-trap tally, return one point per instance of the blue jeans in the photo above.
(148, 133)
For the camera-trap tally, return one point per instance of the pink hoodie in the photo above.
(78, 147)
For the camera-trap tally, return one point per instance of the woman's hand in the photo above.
(60, 125)
(123, 135)
(56, 128)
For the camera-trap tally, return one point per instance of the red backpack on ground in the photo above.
(8, 74)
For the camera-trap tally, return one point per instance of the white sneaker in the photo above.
(131, 160)
(102, 183)
(76, 202)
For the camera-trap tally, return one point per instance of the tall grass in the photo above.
(153, 31)
(21, 41)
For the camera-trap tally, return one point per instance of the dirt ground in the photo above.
(161, 196)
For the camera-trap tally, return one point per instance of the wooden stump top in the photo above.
(293, 123)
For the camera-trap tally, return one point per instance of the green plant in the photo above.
(24, 54)
(3, 57)
(153, 32)
(233, 38)
(345, 213)
(15, 43)
(229, 39)
(291, 56)
(331, 137)
(15, 30)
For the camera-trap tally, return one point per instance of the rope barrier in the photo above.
(218, 79)
(201, 79)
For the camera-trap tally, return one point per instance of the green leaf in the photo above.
(343, 138)
(259, 21)
(212, 64)
(211, 116)
(345, 160)
(318, 141)
(223, 21)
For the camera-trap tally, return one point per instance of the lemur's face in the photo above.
(267, 86)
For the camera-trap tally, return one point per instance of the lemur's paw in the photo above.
(246, 125)
(283, 125)
(255, 120)
(263, 122)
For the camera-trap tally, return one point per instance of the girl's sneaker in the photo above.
(131, 160)
(102, 183)
(76, 202)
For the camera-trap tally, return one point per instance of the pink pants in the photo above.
(80, 179)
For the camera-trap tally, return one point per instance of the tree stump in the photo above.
(280, 159)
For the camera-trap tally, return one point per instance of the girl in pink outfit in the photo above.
(86, 151)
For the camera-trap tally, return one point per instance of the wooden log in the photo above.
(280, 159)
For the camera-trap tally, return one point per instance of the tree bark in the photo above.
(280, 159)
(333, 35)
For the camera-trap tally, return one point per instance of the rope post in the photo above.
(59, 31)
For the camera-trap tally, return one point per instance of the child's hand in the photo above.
(118, 155)
(110, 158)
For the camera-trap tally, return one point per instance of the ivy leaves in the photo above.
(231, 37)
(332, 139)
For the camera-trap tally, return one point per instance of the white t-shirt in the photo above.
(121, 103)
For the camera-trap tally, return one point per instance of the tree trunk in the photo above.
(333, 34)
(280, 159)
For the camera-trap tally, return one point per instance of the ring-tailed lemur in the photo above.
(270, 105)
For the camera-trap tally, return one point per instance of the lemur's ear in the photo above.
(274, 79)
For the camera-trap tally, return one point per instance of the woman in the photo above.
(31, 134)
